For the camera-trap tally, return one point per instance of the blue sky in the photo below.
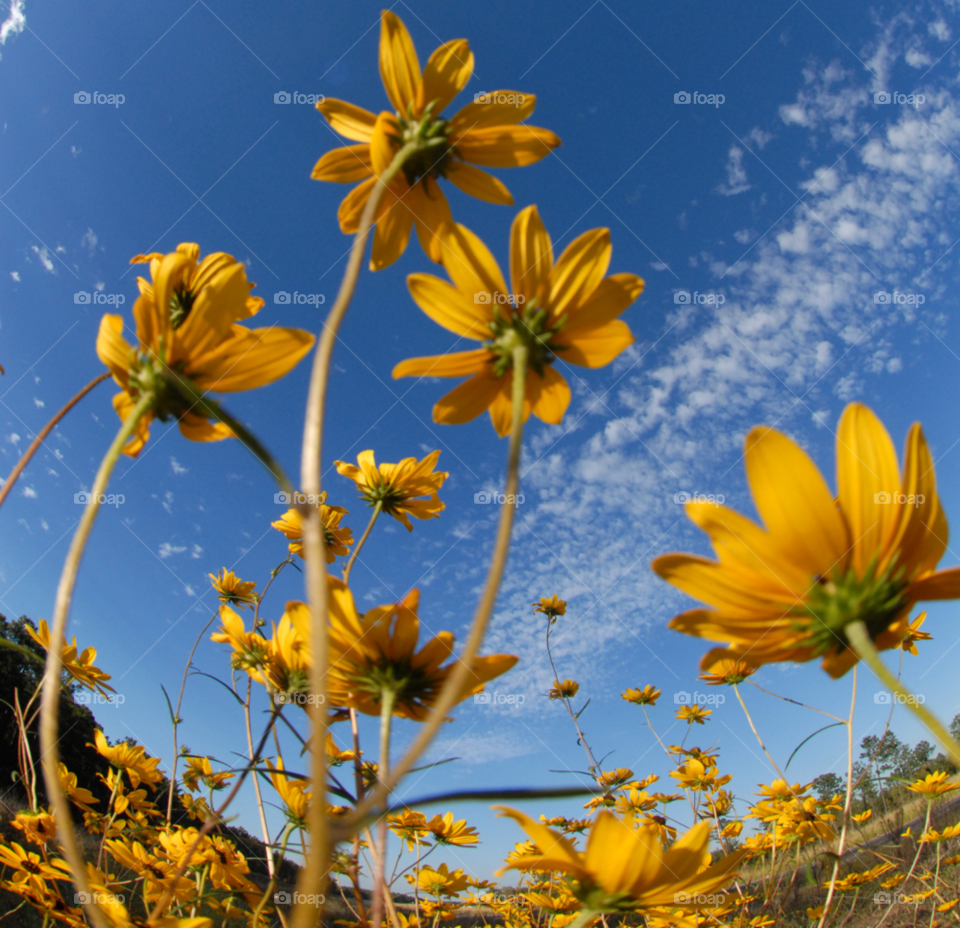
(796, 199)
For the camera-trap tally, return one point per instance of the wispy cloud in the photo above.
(15, 22)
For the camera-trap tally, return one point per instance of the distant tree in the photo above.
(827, 785)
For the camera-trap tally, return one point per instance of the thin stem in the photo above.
(795, 702)
(356, 549)
(387, 702)
(313, 875)
(453, 689)
(753, 728)
(50, 699)
(43, 433)
(860, 641)
(268, 850)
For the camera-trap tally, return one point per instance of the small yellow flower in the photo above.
(727, 671)
(914, 635)
(337, 540)
(648, 696)
(336, 757)
(78, 666)
(550, 606)
(187, 321)
(693, 715)
(732, 830)
(232, 590)
(37, 827)
(130, 757)
(395, 488)
(862, 817)
(441, 882)
(78, 795)
(199, 769)
(934, 784)
(446, 831)
(295, 793)
(565, 690)
(410, 826)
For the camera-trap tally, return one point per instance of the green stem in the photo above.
(388, 699)
(50, 699)
(378, 506)
(584, 917)
(860, 641)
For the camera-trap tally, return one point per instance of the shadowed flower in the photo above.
(488, 132)
(232, 590)
(728, 672)
(376, 655)
(566, 310)
(79, 666)
(37, 827)
(787, 591)
(446, 831)
(566, 690)
(130, 757)
(648, 696)
(295, 793)
(187, 322)
(337, 540)
(624, 867)
(395, 487)
(550, 606)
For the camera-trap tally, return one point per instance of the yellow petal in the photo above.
(795, 504)
(465, 402)
(447, 306)
(501, 408)
(918, 537)
(614, 855)
(459, 364)
(549, 843)
(198, 429)
(382, 146)
(392, 232)
(445, 75)
(477, 183)
(399, 65)
(252, 358)
(595, 347)
(472, 267)
(497, 108)
(113, 349)
(579, 270)
(612, 296)
(123, 403)
(945, 584)
(531, 255)
(431, 215)
(344, 165)
(866, 466)
(506, 146)
(352, 122)
(352, 206)
(553, 396)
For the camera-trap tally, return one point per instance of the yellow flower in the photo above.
(395, 487)
(732, 830)
(295, 793)
(693, 715)
(199, 769)
(377, 654)
(446, 831)
(337, 540)
(30, 867)
(786, 592)
(410, 826)
(231, 589)
(566, 310)
(614, 779)
(78, 795)
(648, 696)
(914, 635)
(862, 817)
(37, 827)
(934, 784)
(131, 757)
(728, 672)
(697, 776)
(336, 757)
(441, 882)
(80, 667)
(187, 322)
(488, 132)
(624, 868)
(550, 606)
(566, 690)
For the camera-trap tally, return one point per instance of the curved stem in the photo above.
(795, 702)
(387, 702)
(773, 763)
(313, 875)
(50, 699)
(43, 433)
(452, 690)
(378, 506)
(860, 641)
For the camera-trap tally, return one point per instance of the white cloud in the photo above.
(89, 240)
(736, 174)
(167, 550)
(177, 467)
(15, 22)
(15, 275)
(44, 255)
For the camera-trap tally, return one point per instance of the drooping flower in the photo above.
(396, 487)
(337, 539)
(376, 654)
(232, 590)
(788, 590)
(130, 757)
(728, 672)
(490, 132)
(693, 715)
(294, 792)
(566, 310)
(79, 666)
(624, 867)
(909, 643)
(187, 321)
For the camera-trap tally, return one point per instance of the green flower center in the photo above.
(433, 154)
(181, 302)
(407, 684)
(835, 602)
(529, 326)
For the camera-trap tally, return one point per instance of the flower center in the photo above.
(529, 326)
(181, 302)
(835, 602)
(433, 154)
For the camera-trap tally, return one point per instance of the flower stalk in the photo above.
(377, 508)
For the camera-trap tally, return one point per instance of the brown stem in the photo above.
(363, 538)
(43, 433)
